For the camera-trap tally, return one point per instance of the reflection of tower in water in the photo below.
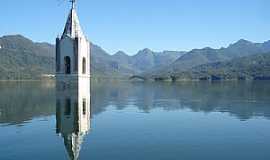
(73, 118)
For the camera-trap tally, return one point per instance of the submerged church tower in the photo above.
(72, 54)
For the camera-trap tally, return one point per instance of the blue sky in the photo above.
(131, 25)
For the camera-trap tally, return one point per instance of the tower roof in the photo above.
(73, 144)
(72, 27)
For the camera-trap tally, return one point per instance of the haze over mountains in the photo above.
(21, 58)
(120, 64)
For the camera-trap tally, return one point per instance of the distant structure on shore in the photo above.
(72, 54)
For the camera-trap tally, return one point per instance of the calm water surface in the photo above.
(131, 121)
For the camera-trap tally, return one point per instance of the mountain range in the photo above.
(122, 65)
(21, 58)
(196, 57)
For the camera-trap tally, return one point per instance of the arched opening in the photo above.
(84, 106)
(68, 107)
(67, 65)
(84, 65)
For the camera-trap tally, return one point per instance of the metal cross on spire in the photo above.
(73, 3)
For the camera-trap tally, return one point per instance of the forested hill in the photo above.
(21, 58)
(253, 67)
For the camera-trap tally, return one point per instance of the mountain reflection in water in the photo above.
(23, 101)
(124, 120)
(241, 99)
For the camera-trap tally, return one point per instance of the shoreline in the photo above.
(149, 80)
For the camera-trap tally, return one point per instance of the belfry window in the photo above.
(84, 107)
(68, 107)
(84, 65)
(67, 65)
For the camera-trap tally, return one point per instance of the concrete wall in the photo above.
(76, 49)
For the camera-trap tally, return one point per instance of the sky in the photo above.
(132, 25)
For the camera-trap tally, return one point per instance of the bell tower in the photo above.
(72, 53)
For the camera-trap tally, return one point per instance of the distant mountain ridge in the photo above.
(21, 58)
(241, 48)
(18, 42)
(252, 67)
(198, 57)
(255, 66)
(121, 64)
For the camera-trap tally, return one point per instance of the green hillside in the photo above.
(253, 67)
(21, 58)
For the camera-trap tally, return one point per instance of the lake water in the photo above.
(136, 121)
